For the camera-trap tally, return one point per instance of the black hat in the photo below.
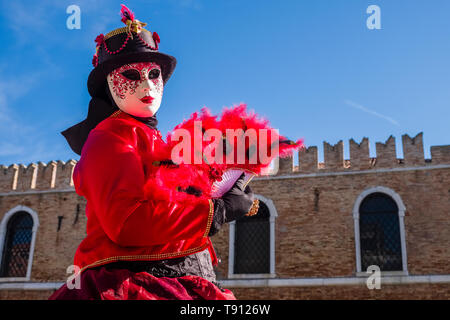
(125, 45)
(129, 44)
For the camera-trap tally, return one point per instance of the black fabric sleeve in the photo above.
(218, 217)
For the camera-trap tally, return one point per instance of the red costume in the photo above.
(143, 241)
(148, 219)
(124, 223)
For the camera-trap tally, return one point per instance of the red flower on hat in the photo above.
(155, 37)
(99, 40)
(95, 61)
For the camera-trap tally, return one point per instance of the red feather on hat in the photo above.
(126, 14)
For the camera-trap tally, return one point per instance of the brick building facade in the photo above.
(316, 239)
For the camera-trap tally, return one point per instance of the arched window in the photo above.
(379, 230)
(252, 243)
(379, 233)
(17, 235)
(17, 246)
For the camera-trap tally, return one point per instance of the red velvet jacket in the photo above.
(122, 223)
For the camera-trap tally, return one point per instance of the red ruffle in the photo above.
(236, 118)
(195, 170)
(122, 284)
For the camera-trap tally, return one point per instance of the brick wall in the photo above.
(387, 292)
(316, 238)
(314, 230)
(54, 250)
(25, 294)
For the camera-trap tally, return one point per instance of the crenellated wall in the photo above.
(40, 176)
(359, 154)
(386, 156)
(333, 155)
(58, 174)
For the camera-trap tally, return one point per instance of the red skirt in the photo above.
(122, 284)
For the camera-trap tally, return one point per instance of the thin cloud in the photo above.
(361, 107)
(18, 138)
(10, 149)
(192, 4)
(29, 20)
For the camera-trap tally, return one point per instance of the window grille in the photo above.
(380, 233)
(16, 248)
(252, 243)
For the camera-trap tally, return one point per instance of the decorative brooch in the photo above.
(254, 209)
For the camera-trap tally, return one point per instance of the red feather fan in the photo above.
(257, 138)
(190, 163)
(174, 182)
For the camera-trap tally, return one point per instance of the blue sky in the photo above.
(312, 67)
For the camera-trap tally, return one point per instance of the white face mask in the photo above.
(137, 88)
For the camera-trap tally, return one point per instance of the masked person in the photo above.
(138, 247)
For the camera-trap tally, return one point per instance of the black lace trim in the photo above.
(198, 264)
